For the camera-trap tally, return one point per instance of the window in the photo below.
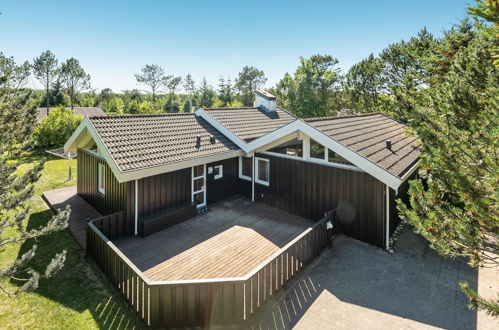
(198, 185)
(262, 171)
(333, 157)
(218, 170)
(291, 148)
(101, 178)
(317, 150)
(245, 168)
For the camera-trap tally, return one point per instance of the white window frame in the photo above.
(310, 149)
(257, 180)
(241, 176)
(101, 178)
(203, 188)
(220, 174)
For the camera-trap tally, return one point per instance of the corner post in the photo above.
(387, 211)
(136, 208)
(253, 178)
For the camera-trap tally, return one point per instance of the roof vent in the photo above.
(212, 139)
(265, 101)
(388, 144)
(198, 140)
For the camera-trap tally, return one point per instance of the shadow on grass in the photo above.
(79, 285)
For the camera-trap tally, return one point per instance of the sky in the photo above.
(115, 39)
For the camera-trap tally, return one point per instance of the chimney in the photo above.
(265, 101)
(388, 144)
(212, 139)
(198, 140)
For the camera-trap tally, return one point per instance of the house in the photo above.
(146, 173)
(82, 111)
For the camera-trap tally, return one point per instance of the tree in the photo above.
(153, 76)
(205, 94)
(56, 128)
(406, 71)
(364, 84)
(172, 85)
(310, 91)
(248, 81)
(55, 96)
(225, 91)
(17, 118)
(457, 37)
(454, 203)
(74, 78)
(489, 11)
(190, 89)
(45, 70)
(106, 99)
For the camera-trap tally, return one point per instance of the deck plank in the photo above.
(229, 240)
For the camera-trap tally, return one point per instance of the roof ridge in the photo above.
(230, 108)
(365, 114)
(145, 115)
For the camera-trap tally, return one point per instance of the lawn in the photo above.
(79, 296)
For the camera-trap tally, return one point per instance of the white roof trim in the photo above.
(86, 127)
(299, 125)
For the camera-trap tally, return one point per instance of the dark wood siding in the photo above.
(161, 191)
(225, 187)
(309, 190)
(114, 198)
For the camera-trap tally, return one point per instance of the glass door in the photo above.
(199, 185)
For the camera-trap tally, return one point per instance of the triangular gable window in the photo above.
(291, 148)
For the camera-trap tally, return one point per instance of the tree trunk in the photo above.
(47, 96)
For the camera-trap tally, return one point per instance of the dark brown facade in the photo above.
(299, 187)
(114, 198)
(309, 190)
(161, 191)
(226, 186)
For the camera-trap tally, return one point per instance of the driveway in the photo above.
(356, 286)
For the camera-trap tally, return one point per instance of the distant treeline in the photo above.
(395, 82)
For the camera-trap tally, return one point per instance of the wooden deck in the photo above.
(229, 240)
(81, 211)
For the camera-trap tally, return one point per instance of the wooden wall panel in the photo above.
(225, 187)
(114, 198)
(161, 191)
(309, 190)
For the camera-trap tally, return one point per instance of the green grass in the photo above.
(79, 296)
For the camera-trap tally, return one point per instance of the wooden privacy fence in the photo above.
(206, 301)
(113, 225)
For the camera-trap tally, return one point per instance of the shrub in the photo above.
(57, 127)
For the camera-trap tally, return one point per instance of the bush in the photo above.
(57, 127)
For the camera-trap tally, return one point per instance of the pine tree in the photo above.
(364, 84)
(17, 119)
(74, 78)
(45, 70)
(225, 91)
(248, 81)
(406, 71)
(190, 89)
(455, 202)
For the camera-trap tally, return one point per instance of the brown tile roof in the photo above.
(82, 111)
(139, 141)
(366, 134)
(250, 123)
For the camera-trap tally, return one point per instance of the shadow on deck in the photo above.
(229, 240)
